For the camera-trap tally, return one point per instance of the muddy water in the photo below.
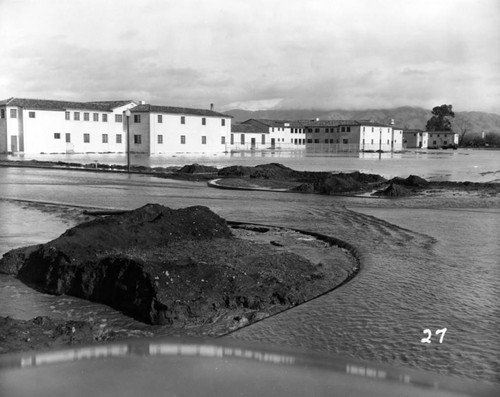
(428, 263)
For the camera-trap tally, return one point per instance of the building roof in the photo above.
(337, 123)
(47, 104)
(147, 108)
(241, 128)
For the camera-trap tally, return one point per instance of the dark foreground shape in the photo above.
(180, 267)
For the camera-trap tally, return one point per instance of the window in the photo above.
(388, 141)
(76, 116)
(348, 129)
(57, 135)
(183, 139)
(223, 122)
(372, 129)
(316, 130)
(137, 139)
(232, 139)
(68, 137)
(345, 141)
(160, 118)
(2, 113)
(86, 138)
(203, 140)
(326, 140)
(86, 116)
(137, 118)
(363, 129)
(66, 115)
(183, 120)
(343, 129)
(160, 139)
(309, 141)
(203, 121)
(96, 116)
(104, 138)
(13, 113)
(242, 139)
(118, 118)
(223, 140)
(263, 139)
(316, 141)
(372, 141)
(31, 115)
(118, 138)
(105, 118)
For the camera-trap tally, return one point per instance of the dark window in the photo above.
(232, 139)
(76, 116)
(223, 140)
(309, 141)
(118, 138)
(31, 115)
(242, 139)
(137, 118)
(343, 129)
(68, 137)
(2, 113)
(86, 116)
(137, 139)
(183, 120)
(263, 139)
(348, 129)
(160, 139)
(118, 118)
(223, 122)
(66, 115)
(183, 139)
(316, 130)
(316, 141)
(203, 140)
(86, 138)
(105, 118)
(96, 116)
(13, 113)
(104, 138)
(345, 141)
(57, 135)
(203, 121)
(160, 118)
(326, 140)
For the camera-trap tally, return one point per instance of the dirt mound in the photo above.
(197, 169)
(235, 171)
(180, 267)
(412, 181)
(394, 190)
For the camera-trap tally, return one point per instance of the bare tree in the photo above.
(462, 125)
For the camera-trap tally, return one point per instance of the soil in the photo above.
(185, 268)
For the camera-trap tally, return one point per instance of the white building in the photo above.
(165, 129)
(352, 136)
(430, 139)
(282, 134)
(46, 126)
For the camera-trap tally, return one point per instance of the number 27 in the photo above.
(429, 334)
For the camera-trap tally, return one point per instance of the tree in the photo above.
(461, 125)
(440, 119)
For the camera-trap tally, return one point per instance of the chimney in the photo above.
(211, 106)
(392, 121)
(142, 102)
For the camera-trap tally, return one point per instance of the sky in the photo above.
(255, 54)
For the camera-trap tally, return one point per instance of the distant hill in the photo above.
(405, 116)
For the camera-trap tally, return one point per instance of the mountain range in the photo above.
(405, 116)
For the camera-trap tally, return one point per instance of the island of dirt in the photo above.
(186, 269)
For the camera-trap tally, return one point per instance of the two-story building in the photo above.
(166, 129)
(352, 136)
(47, 126)
(282, 134)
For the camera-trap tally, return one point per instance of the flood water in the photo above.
(428, 262)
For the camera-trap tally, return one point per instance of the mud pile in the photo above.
(180, 267)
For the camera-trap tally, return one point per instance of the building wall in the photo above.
(416, 140)
(442, 138)
(243, 141)
(48, 131)
(192, 136)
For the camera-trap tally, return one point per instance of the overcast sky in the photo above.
(254, 54)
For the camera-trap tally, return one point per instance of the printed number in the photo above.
(429, 334)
